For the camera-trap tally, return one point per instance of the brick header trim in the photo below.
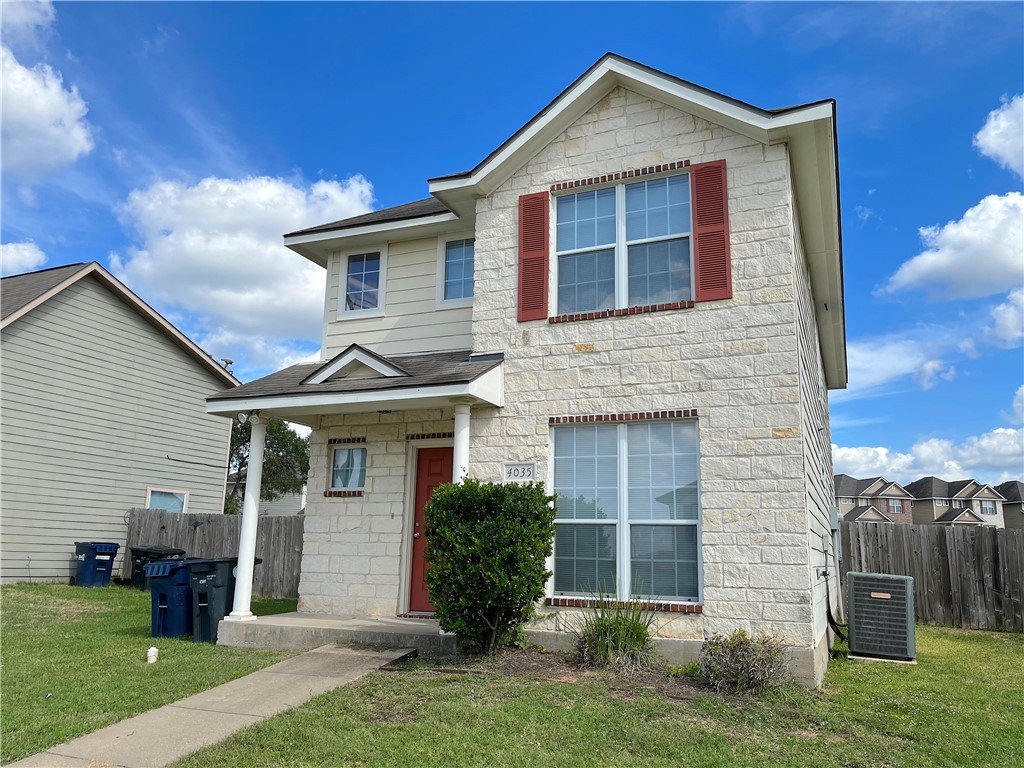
(342, 494)
(618, 176)
(582, 602)
(345, 440)
(690, 413)
(432, 436)
(621, 312)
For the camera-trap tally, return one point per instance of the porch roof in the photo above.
(432, 380)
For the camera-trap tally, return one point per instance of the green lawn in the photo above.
(962, 705)
(74, 660)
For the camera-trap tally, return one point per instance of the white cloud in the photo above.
(877, 364)
(992, 457)
(979, 255)
(22, 22)
(211, 252)
(1002, 136)
(933, 369)
(20, 257)
(44, 125)
(1018, 406)
(1007, 329)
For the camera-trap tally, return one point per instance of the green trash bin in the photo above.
(213, 591)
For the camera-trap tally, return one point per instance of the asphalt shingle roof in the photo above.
(424, 371)
(17, 291)
(430, 206)
(1011, 490)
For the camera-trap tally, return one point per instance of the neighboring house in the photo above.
(961, 502)
(875, 500)
(285, 504)
(103, 410)
(636, 299)
(1013, 506)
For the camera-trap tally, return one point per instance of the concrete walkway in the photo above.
(161, 736)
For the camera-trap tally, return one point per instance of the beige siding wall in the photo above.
(814, 422)
(94, 400)
(412, 321)
(736, 362)
(924, 511)
(1013, 514)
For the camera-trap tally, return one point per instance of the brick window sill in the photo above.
(574, 318)
(582, 602)
(342, 494)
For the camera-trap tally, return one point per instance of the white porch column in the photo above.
(460, 454)
(240, 611)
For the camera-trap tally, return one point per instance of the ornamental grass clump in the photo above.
(616, 635)
(488, 545)
(739, 663)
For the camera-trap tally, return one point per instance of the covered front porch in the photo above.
(385, 433)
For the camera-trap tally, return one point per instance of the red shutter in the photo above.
(711, 257)
(533, 256)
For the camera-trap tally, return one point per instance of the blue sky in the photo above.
(175, 142)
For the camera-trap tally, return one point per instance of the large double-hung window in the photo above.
(628, 512)
(624, 246)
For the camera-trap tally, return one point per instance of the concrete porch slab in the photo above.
(304, 631)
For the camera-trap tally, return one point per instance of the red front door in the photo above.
(433, 467)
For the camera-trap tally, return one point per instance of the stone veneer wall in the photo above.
(354, 548)
(735, 362)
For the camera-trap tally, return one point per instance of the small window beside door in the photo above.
(348, 469)
(175, 501)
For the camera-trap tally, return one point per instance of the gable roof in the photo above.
(849, 487)
(20, 294)
(809, 130)
(355, 355)
(1011, 490)
(954, 514)
(866, 513)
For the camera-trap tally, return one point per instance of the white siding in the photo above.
(95, 399)
(412, 323)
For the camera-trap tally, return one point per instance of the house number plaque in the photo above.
(520, 472)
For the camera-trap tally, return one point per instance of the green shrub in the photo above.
(740, 663)
(690, 669)
(616, 635)
(487, 545)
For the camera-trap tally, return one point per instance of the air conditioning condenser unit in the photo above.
(881, 614)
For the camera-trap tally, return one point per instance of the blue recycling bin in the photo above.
(170, 592)
(95, 562)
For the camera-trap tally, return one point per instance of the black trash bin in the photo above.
(141, 556)
(95, 562)
(170, 591)
(213, 591)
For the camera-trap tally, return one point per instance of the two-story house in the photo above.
(874, 500)
(637, 299)
(961, 502)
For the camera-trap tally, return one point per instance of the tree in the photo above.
(285, 462)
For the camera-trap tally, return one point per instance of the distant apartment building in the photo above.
(874, 500)
(961, 502)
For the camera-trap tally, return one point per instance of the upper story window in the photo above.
(988, 507)
(362, 284)
(845, 500)
(942, 502)
(958, 503)
(455, 278)
(624, 246)
(896, 506)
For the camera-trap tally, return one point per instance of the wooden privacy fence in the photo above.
(278, 542)
(970, 577)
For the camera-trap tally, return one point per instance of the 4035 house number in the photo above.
(522, 472)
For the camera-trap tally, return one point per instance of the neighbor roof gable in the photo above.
(31, 290)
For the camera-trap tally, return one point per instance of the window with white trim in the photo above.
(628, 511)
(845, 500)
(624, 246)
(348, 469)
(457, 275)
(896, 506)
(362, 284)
(988, 507)
(942, 502)
(958, 503)
(167, 499)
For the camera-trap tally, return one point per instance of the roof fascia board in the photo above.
(355, 354)
(143, 309)
(369, 229)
